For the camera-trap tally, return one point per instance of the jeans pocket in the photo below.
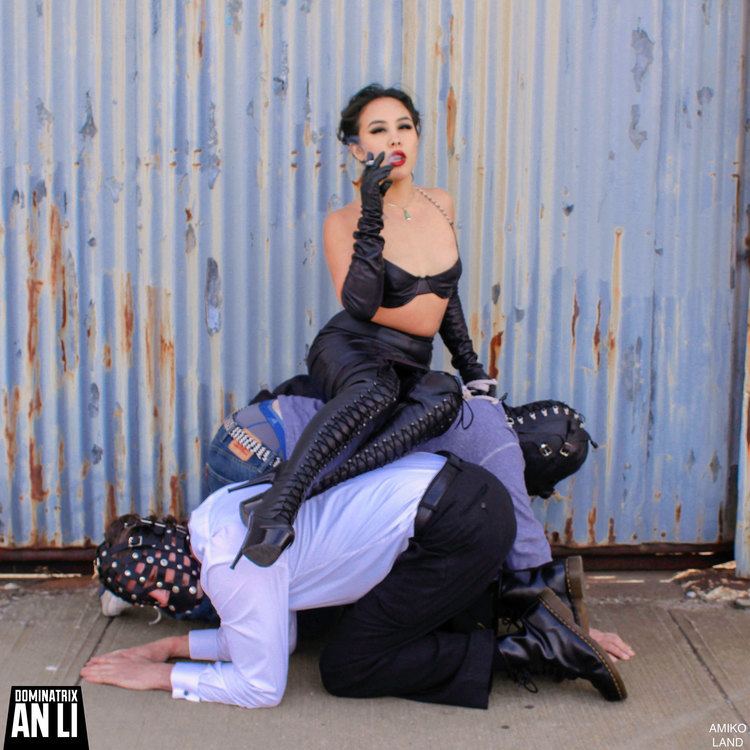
(216, 481)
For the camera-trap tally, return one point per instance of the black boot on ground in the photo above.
(550, 644)
(564, 577)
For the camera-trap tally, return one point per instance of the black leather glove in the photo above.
(362, 293)
(455, 334)
(373, 186)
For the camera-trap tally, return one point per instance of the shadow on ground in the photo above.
(690, 678)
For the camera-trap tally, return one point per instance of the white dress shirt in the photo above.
(347, 540)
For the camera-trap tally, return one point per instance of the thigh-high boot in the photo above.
(428, 410)
(344, 422)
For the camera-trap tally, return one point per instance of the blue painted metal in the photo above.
(166, 169)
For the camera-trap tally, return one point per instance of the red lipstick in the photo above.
(397, 158)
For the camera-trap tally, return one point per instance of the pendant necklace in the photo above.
(404, 209)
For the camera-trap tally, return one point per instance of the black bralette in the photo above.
(401, 286)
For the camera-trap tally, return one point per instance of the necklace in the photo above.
(405, 209)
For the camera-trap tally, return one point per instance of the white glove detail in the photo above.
(483, 388)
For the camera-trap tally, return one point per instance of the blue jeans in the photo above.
(230, 461)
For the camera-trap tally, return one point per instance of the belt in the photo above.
(238, 433)
(434, 493)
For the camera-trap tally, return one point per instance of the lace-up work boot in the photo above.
(564, 577)
(550, 644)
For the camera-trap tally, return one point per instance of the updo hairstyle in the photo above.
(349, 125)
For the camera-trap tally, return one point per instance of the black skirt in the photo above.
(346, 347)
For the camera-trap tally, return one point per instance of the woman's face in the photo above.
(386, 125)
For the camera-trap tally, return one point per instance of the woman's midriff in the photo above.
(420, 317)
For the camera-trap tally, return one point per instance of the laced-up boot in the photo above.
(564, 577)
(428, 411)
(344, 422)
(550, 644)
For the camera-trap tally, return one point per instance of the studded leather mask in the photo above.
(155, 557)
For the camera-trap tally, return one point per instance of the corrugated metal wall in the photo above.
(166, 168)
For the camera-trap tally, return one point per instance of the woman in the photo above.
(398, 288)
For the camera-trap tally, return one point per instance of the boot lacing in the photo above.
(520, 675)
(465, 406)
(393, 445)
(346, 424)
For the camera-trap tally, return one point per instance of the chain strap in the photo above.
(434, 203)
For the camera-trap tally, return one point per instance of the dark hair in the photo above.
(349, 125)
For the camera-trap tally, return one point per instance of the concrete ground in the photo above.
(691, 671)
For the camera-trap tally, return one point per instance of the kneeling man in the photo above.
(408, 546)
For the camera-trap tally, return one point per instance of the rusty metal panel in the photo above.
(742, 539)
(741, 441)
(595, 151)
(166, 169)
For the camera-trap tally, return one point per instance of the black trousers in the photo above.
(348, 351)
(391, 641)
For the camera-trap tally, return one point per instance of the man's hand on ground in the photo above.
(156, 651)
(131, 674)
(615, 647)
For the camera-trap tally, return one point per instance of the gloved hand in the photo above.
(372, 188)
(362, 292)
(455, 334)
(483, 388)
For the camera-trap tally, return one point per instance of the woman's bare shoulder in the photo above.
(338, 227)
(342, 217)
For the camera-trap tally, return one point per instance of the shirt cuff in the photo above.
(184, 678)
(204, 644)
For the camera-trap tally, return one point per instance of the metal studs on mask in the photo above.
(154, 545)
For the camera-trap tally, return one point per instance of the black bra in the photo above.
(401, 286)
